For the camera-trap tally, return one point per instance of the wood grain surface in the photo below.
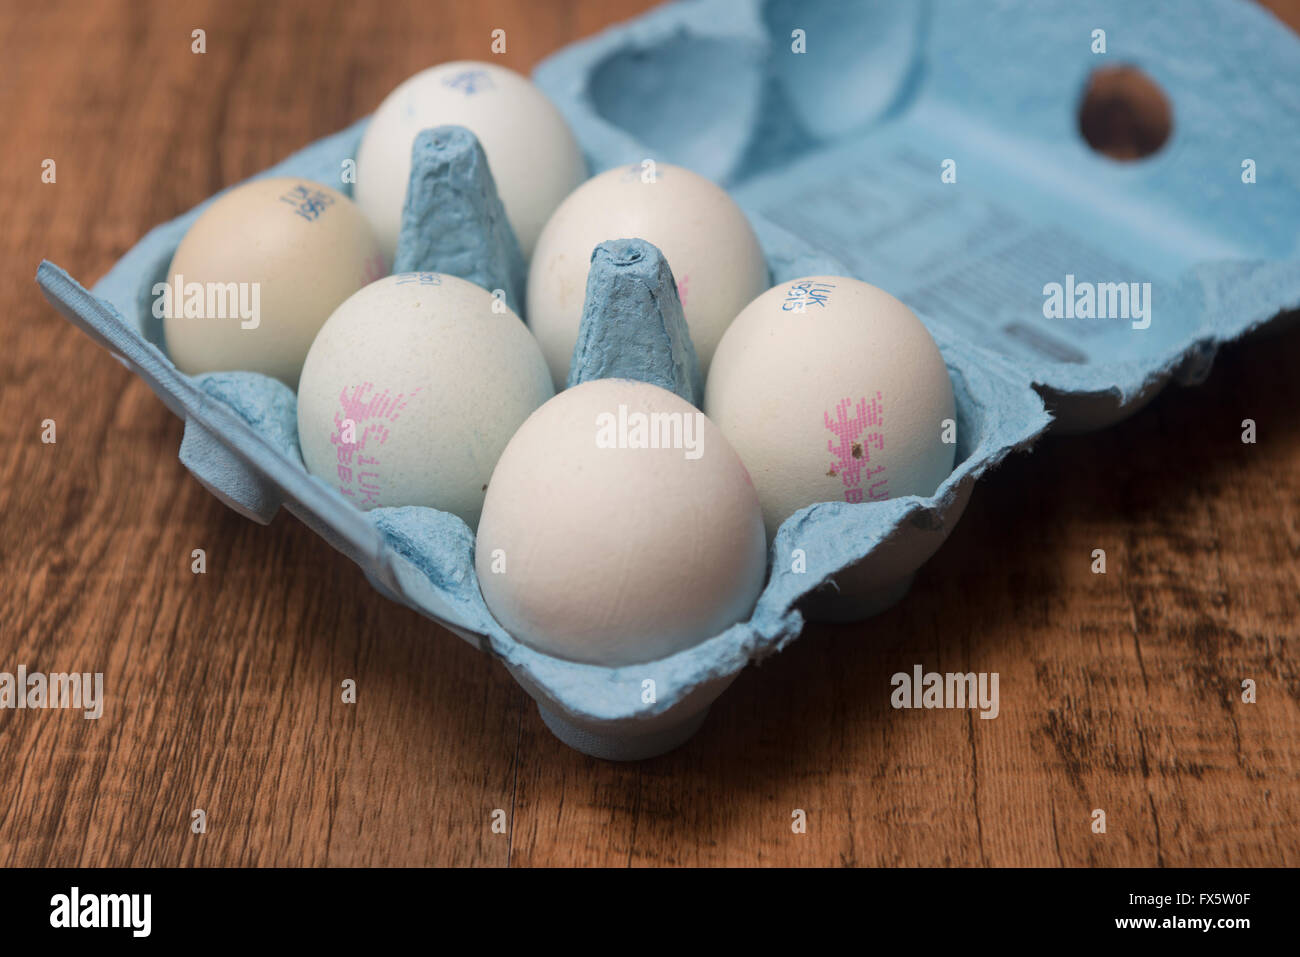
(1119, 691)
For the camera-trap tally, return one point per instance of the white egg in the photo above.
(712, 251)
(831, 389)
(258, 274)
(619, 527)
(413, 388)
(534, 159)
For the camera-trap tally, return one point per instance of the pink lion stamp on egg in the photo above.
(852, 448)
(361, 426)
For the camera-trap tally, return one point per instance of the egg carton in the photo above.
(837, 159)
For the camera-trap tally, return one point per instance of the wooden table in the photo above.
(1119, 691)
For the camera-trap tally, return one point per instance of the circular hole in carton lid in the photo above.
(1124, 113)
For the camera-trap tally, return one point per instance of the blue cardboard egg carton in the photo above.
(837, 154)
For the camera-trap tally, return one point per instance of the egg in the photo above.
(411, 391)
(259, 272)
(832, 390)
(710, 247)
(619, 527)
(533, 156)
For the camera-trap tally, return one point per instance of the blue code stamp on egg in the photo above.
(308, 201)
(469, 82)
(807, 292)
(419, 278)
